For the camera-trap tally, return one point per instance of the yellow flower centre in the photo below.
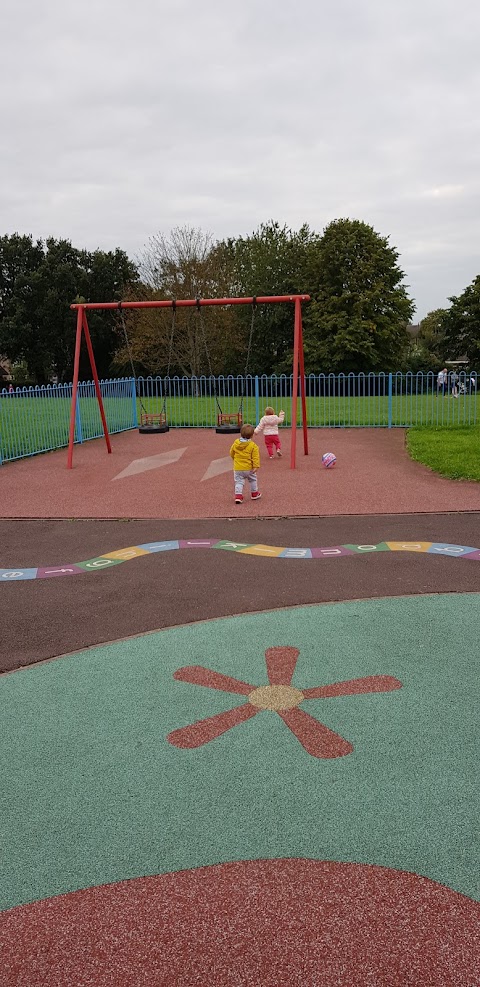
(275, 697)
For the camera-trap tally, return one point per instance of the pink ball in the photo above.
(329, 459)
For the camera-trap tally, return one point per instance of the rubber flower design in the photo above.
(279, 696)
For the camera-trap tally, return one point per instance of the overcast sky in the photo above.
(121, 119)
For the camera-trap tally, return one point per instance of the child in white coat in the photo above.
(269, 426)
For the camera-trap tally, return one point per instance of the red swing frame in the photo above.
(81, 309)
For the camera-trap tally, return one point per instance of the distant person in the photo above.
(442, 381)
(10, 389)
(246, 462)
(269, 426)
(454, 384)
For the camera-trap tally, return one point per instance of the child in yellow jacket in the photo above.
(246, 462)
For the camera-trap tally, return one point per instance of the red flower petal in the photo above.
(281, 664)
(315, 737)
(198, 675)
(372, 683)
(203, 731)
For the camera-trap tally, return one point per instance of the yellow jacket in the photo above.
(245, 455)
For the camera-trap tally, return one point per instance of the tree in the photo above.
(358, 319)
(186, 264)
(38, 282)
(462, 324)
(273, 260)
(427, 352)
(20, 261)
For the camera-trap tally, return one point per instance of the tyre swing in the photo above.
(152, 423)
(228, 424)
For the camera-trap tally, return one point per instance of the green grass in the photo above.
(452, 452)
(35, 424)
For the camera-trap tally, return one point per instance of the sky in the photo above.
(120, 120)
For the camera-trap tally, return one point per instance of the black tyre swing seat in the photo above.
(153, 424)
(229, 424)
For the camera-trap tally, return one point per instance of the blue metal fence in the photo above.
(36, 419)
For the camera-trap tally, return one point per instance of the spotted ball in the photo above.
(329, 459)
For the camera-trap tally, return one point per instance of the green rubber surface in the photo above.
(92, 792)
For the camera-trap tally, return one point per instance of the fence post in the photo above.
(78, 418)
(257, 400)
(390, 390)
(134, 403)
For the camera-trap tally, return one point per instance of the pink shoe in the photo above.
(256, 493)
(279, 453)
(239, 498)
(271, 457)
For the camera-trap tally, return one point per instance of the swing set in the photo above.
(158, 422)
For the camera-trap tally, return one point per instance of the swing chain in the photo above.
(204, 335)
(249, 350)
(130, 354)
(170, 354)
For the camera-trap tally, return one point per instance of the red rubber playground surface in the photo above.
(227, 759)
(188, 474)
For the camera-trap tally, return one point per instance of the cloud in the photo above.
(445, 191)
(120, 120)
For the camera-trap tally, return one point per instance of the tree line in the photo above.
(357, 319)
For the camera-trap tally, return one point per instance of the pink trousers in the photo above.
(272, 443)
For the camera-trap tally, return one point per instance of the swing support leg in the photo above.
(298, 363)
(83, 324)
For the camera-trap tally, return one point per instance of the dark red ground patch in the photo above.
(269, 923)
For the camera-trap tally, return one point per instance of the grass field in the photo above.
(452, 452)
(37, 424)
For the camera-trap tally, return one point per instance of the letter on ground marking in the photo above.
(126, 553)
(160, 546)
(409, 546)
(297, 553)
(18, 574)
(442, 548)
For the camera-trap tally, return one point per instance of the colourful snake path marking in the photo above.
(109, 559)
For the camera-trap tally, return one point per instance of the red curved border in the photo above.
(268, 922)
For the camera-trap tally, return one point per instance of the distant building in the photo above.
(5, 370)
(413, 330)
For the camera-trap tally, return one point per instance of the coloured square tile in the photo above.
(330, 552)
(364, 549)
(52, 572)
(267, 550)
(9, 574)
(232, 546)
(473, 555)
(443, 548)
(92, 565)
(126, 553)
(296, 553)
(160, 546)
(199, 543)
(409, 546)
